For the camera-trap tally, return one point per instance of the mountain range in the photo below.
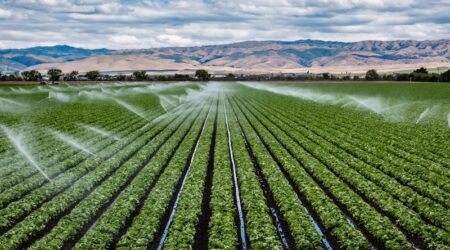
(243, 57)
(12, 60)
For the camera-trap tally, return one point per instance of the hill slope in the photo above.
(259, 57)
(12, 60)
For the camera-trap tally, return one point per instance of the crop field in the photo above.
(225, 166)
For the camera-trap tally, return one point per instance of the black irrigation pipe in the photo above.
(136, 211)
(87, 226)
(368, 163)
(349, 152)
(277, 217)
(244, 241)
(99, 213)
(54, 221)
(424, 219)
(166, 220)
(417, 242)
(329, 241)
(350, 219)
(202, 233)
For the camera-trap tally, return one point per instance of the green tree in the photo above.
(372, 75)
(161, 78)
(25, 74)
(32, 75)
(421, 70)
(93, 75)
(121, 77)
(445, 77)
(230, 76)
(326, 76)
(10, 77)
(73, 75)
(202, 75)
(140, 75)
(346, 78)
(181, 77)
(54, 74)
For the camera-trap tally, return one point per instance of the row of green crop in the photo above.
(114, 155)
(416, 140)
(334, 222)
(94, 143)
(82, 214)
(60, 152)
(292, 211)
(330, 217)
(407, 219)
(260, 229)
(417, 144)
(115, 219)
(31, 134)
(63, 117)
(412, 175)
(379, 228)
(393, 147)
(222, 232)
(37, 180)
(32, 117)
(144, 228)
(69, 115)
(75, 131)
(34, 223)
(186, 216)
(406, 173)
(351, 156)
(35, 139)
(54, 150)
(39, 140)
(408, 178)
(54, 114)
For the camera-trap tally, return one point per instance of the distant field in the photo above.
(225, 165)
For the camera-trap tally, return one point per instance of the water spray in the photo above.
(132, 108)
(71, 141)
(99, 131)
(17, 140)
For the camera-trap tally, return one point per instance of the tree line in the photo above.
(419, 75)
(55, 74)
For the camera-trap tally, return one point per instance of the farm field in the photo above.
(225, 165)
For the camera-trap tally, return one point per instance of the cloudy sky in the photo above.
(122, 24)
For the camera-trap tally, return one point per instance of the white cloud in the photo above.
(173, 40)
(123, 39)
(154, 23)
(5, 13)
(111, 8)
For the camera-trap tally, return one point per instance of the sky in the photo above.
(132, 24)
